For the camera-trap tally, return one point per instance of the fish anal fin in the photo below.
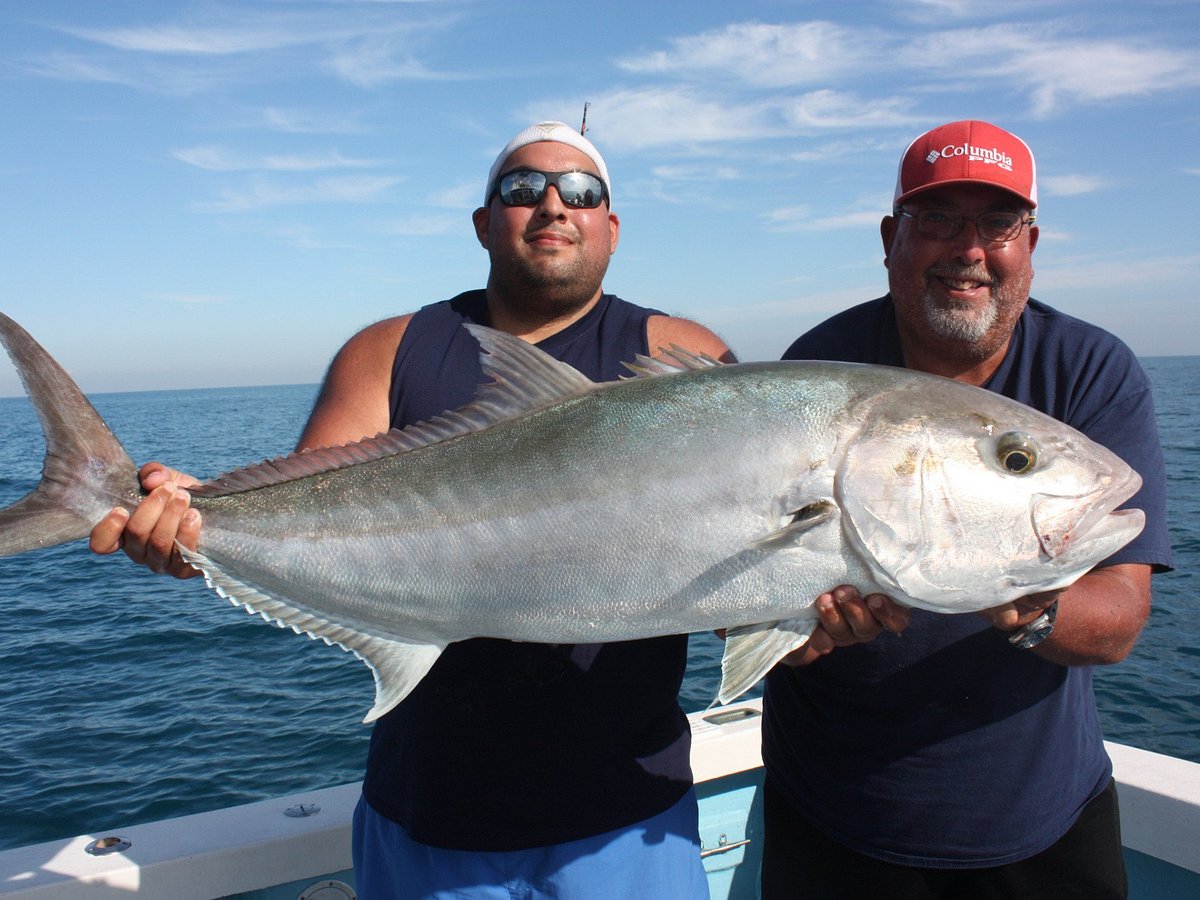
(397, 665)
(752, 650)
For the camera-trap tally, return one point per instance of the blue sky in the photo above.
(218, 193)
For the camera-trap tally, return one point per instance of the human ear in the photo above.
(480, 218)
(887, 232)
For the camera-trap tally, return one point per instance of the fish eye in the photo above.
(1016, 452)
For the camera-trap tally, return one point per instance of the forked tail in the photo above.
(86, 471)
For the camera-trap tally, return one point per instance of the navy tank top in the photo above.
(509, 746)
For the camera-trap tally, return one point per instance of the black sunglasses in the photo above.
(522, 187)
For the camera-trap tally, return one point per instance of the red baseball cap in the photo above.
(969, 151)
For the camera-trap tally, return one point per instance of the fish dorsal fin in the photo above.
(524, 379)
(674, 359)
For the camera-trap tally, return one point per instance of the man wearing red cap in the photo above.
(964, 758)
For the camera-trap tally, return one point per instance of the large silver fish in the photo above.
(690, 497)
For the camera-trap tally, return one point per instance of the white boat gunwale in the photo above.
(256, 846)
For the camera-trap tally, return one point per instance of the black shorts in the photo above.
(801, 862)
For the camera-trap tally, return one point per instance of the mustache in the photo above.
(961, 273)
(540, 230)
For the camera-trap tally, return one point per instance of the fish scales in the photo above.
(691, 497)
(594, 536)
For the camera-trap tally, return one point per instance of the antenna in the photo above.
(583, 126)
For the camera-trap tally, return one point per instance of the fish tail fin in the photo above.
(86, 471)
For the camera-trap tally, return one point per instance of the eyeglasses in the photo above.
(523, 187)
(943, 225)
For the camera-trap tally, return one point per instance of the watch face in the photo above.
(1036, 631)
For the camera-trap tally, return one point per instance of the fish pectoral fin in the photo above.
(752, 650)
(397, 665)
(802, 521)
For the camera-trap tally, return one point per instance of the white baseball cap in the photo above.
(554, 132)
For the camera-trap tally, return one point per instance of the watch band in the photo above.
(1033, 633)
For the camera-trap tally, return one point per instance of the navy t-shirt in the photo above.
(946, 746)
(505, 745)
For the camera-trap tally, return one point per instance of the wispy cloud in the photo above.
(369, 48)
(463, 194)
(193, 299)
(235, 29)
(426, 226)
(373, 62)
(1055, 68)
(304, 121)
(655, 116)
(938, 11)
(219, 159)
(1053, 235)
(173, 80)
(341, 189)
(823, 302)
(205, 41)
(800, 218)
(687, 116)
(305, 236)
(1105, 272)
(695, 172)
(1071, 185)
(828, 109)
(838, 150)
(765, 55)
(788, 218)
(675, 185)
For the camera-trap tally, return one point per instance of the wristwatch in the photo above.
(1035, 632)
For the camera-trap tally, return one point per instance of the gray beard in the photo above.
(965, 322)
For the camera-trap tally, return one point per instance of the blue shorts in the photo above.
(658, 859)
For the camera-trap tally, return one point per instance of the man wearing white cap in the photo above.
(964, 759)
(512, 769)
(541, 770)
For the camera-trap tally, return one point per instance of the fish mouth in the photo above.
(1061, 531)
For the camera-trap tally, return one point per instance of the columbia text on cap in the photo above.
(970, 152)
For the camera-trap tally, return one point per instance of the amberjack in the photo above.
(691, 496)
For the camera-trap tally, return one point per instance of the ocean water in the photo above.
(126, 697)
